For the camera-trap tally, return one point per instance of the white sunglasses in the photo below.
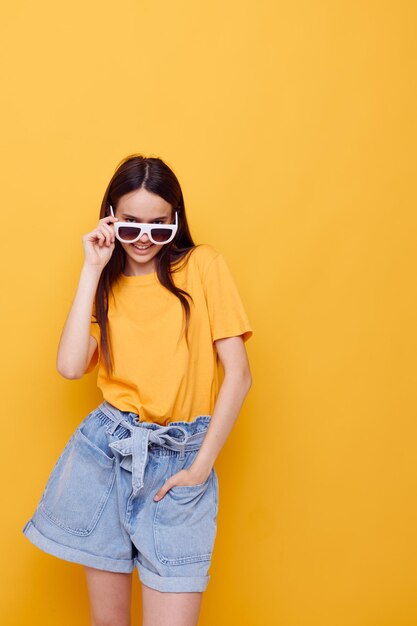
(129, 232)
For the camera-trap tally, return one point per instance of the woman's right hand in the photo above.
(99, 243)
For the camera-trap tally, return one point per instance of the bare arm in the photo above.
(236, 384)
(77, 346)
(74, 347)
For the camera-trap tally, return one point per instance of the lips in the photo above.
(142, 249)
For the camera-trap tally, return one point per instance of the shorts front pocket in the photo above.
(78, 486)
(185, 523)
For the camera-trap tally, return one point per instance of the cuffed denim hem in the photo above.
(74, 555)
(171, 583)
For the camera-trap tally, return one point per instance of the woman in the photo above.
(135, 485)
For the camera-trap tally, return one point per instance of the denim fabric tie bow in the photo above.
(134, 449)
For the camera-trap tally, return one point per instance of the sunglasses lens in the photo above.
(128, 233)
(161, 235)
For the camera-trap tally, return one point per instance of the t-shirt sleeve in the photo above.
(227, 314)
(95, 332)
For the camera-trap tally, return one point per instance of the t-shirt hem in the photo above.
(246, 334)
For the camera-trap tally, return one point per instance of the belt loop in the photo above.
(182, 452)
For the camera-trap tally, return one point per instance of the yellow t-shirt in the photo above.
(155, 376)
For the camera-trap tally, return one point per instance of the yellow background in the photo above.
(292, 129)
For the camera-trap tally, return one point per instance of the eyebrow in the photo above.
(163, 217)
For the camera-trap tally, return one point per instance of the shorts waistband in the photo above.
(134, 448)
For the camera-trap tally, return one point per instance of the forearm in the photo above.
(231, 396)
(73, 346)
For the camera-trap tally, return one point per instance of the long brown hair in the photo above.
(136, 172)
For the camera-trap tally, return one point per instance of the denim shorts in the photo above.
(97, 507)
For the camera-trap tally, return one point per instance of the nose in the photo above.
(144, 238)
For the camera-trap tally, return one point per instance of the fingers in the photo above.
(170, 482)
(185, 477)
(103, 235)
(106, 219)
(106, 227)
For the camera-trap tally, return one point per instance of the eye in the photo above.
(159, 222)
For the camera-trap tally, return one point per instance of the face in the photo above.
(142, 206)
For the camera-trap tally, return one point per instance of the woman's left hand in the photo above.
(185, 477)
